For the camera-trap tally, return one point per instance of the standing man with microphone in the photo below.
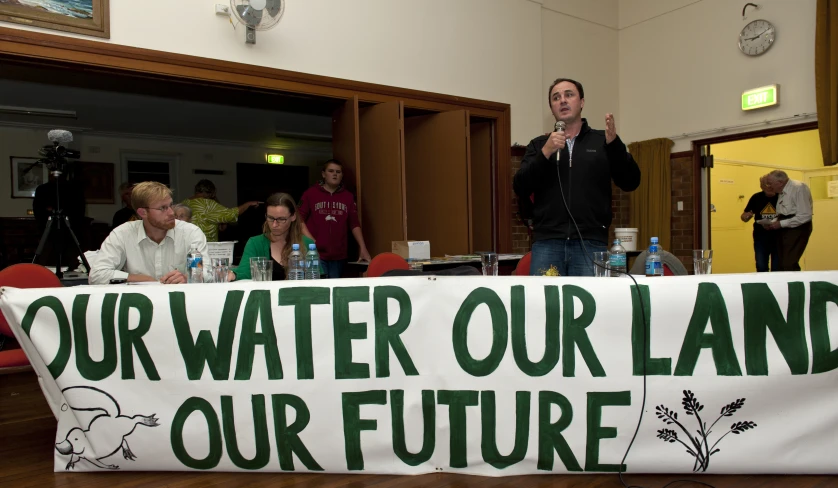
(569, 173)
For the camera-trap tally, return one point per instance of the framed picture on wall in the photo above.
(97, 181)
(89, 17)
(27, 174)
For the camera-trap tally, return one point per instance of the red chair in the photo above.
(384, 262)
(523, 268)
(22, 275)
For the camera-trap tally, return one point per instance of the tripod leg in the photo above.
(44, 238)
(78, 246)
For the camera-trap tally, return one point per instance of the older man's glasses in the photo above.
(272, 220)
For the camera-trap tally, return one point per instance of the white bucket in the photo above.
(628, 237)
(220, 250)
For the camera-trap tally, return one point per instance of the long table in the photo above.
(733, 374)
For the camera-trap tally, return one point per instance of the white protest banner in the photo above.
(489, 376)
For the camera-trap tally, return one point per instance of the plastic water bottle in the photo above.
(312, 263)
(194, 266)
(296, 264)
(617, 259)
(654, 266)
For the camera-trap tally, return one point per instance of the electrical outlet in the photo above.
(680, 206)
(221, 9)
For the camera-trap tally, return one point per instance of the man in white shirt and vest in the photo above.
(794, 219)
(151, 249)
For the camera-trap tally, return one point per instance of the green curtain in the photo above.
(651, 204)
(826, 78)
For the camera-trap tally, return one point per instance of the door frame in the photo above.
(699, 172)
(57, 51)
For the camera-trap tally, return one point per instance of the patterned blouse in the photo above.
(207, 214)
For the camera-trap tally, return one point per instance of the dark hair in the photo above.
(331, 161)
(559, 80)
(206, 187)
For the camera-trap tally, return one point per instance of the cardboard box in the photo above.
(412, 249)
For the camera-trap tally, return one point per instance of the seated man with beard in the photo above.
(151, 249)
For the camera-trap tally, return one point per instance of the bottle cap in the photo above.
(295, 247)
(312, 247)
(654, 240)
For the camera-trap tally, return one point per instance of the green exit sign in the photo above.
(275, 158)
(765, 96)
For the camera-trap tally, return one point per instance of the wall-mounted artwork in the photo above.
(90, 17)
(27, 174)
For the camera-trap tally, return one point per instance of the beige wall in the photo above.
(664, 67)
(681, 70)
(190, 156)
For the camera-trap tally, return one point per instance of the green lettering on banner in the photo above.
(88, 368)
(196, 404)
(345, 331)
(353, 424)
(489, 421)
(500, 332)
(709, 307)
(428, 429)
(288, 441)
(258, 308)
(131, 340)
(260, 430)
(552, 328)
(596, 432)
(823, 359)
(65, 339)
(388, 336)
(302, 298)
(457, 401)
(574, 334)
(762, 311)
(204, 350)
(550, 436)
(641, 337)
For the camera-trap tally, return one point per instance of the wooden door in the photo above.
(345, 143)
(437, 185)
(482, 183)
(381, 175)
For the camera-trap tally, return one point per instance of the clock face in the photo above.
(757, 37)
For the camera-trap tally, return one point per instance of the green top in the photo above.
(260, 246)
(207, 214)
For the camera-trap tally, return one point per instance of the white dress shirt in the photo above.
(129, 250)
(795, 199)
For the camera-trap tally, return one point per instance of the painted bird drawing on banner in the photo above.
(106, 431)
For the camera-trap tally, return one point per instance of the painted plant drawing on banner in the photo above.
(698, 445)
(105, 424)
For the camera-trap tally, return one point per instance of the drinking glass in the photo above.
(489, 261)
(702, 261)
(601, 264)
(221, 270)
(261, 269)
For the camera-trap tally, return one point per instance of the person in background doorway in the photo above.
(126, 213)
(207, 213)
(330, 213)
(794, 219)
(761, 206)
(570, 173)
(183, 212)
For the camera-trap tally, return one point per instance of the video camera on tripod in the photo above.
(55, 156)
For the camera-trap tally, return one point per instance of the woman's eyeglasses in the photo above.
(281, 220)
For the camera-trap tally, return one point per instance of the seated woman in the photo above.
(182, 212)
(280, 231)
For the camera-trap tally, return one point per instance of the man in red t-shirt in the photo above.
(329, 211)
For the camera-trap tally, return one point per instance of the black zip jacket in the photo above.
(585, 179)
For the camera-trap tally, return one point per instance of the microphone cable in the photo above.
(645, 352)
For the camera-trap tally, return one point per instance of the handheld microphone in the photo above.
(559, 127)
